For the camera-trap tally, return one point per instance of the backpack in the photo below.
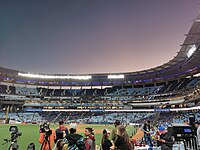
(79, 145)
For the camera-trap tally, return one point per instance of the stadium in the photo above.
(167, 94)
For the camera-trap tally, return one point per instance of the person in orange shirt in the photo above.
(47, 137)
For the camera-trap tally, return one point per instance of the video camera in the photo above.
(14, 133)
(44, 128)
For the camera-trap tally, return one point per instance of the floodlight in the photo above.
(29, 75)
(119, 76)
(191, 50)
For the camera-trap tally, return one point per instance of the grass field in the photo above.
(30, 133)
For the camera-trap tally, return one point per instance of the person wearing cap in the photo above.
(90, 139)
(165, 140)
(114, 131)
(158, 133)
(75, 141)
(105, 142)
(61, 132)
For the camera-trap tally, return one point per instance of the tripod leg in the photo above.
(10, 147)
(49, 144)
(44, 143)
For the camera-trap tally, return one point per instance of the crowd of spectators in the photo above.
(162, 118)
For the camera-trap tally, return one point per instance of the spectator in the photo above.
(123, 141)
(31, 146)
(75, 141)
(165, 139)
(47, 137)
(147, 130)
(90, 139)
(105, 142)
(60, 145)
(61, 132)
(114, 131)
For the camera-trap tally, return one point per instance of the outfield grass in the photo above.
(30, 133)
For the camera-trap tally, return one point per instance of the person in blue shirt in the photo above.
(61, 132)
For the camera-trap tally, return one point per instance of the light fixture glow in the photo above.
(120, 76)
(191, 50)
(29, 75)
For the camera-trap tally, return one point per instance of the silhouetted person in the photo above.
(114, 131)
(147, 130)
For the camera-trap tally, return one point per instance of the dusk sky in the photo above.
(92, 36)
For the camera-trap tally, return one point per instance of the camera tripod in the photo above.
(45, 142)
(13, 145)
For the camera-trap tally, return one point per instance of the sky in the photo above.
(92, 36)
